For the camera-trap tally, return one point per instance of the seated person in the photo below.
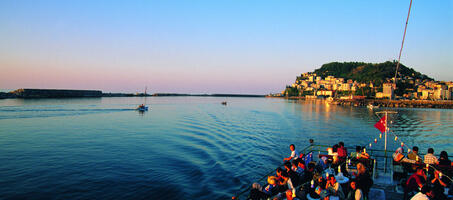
(310, 171)
(426, 193)
(443, 159)
(271, 187)
(364, 154)
(320, 181)
(256, 192)
(322, 163)
(294, 153)
(355, 193)
(357, 154)
(413, 155)
(283, 180)
(398, 157)
(296, 168)
(290, 195)
(334, 187)
(430, 158)
(293, 176)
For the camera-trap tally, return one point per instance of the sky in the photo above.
(221, 46)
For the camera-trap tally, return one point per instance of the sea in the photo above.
(183, 147)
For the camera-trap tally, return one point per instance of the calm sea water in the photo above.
(182, 148)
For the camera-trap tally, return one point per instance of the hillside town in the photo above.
(310, 85)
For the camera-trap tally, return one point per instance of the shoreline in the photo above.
(385, 103)
(58, 93)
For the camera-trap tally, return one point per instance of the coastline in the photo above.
(385, 103)
(59, 93)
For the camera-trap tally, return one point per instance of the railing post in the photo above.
(374, 169)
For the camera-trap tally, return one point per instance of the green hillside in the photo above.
(368, 72)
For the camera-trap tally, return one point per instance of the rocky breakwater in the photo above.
(55, 93)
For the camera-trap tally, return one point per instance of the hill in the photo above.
(368, 72)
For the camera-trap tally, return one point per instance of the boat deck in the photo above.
(384, 186)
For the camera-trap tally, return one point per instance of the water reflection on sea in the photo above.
(183, 147)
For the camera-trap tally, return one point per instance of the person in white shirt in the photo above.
(294, 153)
(425, 194)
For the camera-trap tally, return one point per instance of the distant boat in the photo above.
(224, 103)
(142, 108)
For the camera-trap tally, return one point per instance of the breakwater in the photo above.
(396, 103)
(52, 93)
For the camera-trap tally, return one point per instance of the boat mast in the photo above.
(146, 87)
(402, 44)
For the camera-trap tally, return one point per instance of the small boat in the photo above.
(224, 103)
(142, 108)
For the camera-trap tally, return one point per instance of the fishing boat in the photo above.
(224, 103)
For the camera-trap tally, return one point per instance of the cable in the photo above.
(402, 44)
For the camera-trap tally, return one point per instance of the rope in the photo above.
(402, 44)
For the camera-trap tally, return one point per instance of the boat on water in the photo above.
(389, 177)
(224, 103)
(142, 108)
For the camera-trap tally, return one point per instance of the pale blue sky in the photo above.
(211, 46)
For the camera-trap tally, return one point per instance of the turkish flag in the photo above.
(380, 125)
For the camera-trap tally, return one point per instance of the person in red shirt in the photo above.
(342, 151)
(415, 181)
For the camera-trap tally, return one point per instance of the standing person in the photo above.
(342, 151)
(414, 154)
(355, 193)
(439, 186)
(294, 153)
(430, 158)
(364, 181)
(415, 181)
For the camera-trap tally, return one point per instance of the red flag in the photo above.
(380, 125)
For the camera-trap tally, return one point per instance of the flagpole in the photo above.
(385, 136)
(385, 144)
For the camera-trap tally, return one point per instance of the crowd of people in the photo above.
(301, 177)
(428, 177)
